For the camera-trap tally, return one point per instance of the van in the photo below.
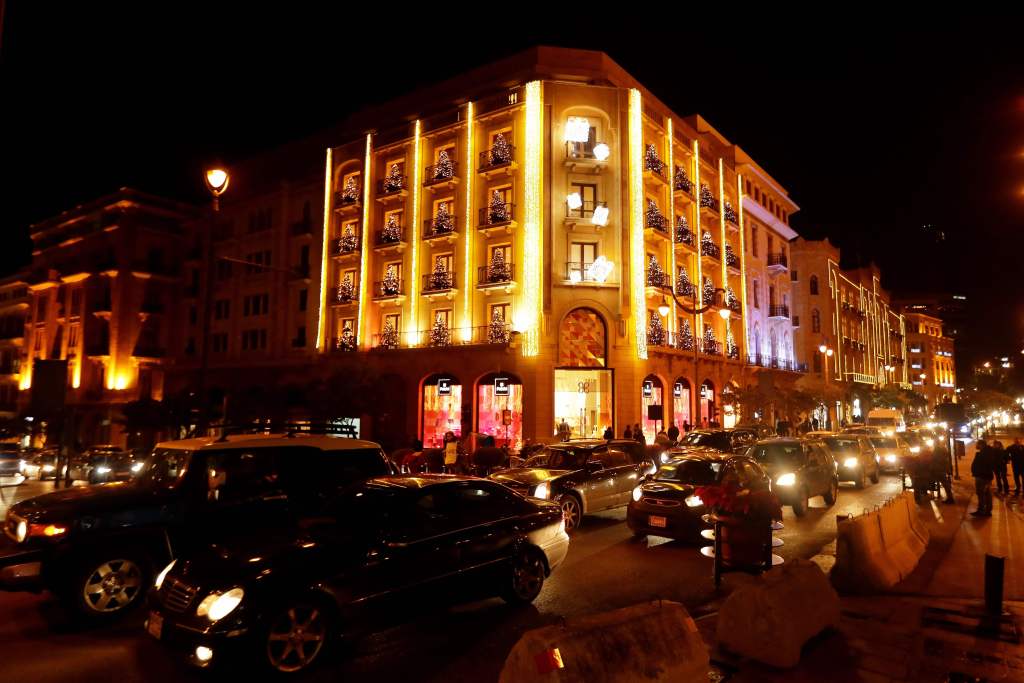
(888, 421)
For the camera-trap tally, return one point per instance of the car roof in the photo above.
(240, 441)
(779, 439)
(581, 443)
(707, 456)
(419, 481)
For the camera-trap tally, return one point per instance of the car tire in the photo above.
(296, 635)
(526, 577)
(109, 584)
(858, 483)
(572, 512)
(832, 495)
(874, 476)
(800, 507)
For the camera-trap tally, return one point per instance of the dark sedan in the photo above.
(800, 469)
(282, 599)
(664, 504)
(102, 464)
(723, 440)
(582, 476)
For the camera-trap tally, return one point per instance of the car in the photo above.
(800, 469)
(724, 440)
(760, 429)
(855, 458)
(664, 504)
(97, 548)
(100, 464)
(41, 465)
(893, 452)
(581, 475)
(889, 420)
(11, 464)
(284, 600)
(861, 429)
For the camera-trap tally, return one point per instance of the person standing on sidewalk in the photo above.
(999, 465)
(941, 470)
(982, 470)
(1016, 453)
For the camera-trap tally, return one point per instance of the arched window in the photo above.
(652, 407)
(814, 284)
(441, 409)
(815, 320)
(499, 409)
(582, 339)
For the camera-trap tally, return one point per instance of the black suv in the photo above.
(582, 475)
(800, 469)
(98, 547)
(722, 440)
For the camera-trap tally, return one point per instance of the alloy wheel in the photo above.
(296, 638)
(112, 586)
(571, 513)
(528, 576)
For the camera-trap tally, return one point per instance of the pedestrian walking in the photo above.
(628, 434)
(564, 431)
(1016, 452)
(686, 426)
(673, 433)
(638, 434)
(982, 469)
(662, 439)
(608, 433)
(1000, 459)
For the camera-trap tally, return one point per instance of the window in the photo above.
(583, 254)
(223, 269)
(300, 337)
(394, 320)
(238, 476)
(753, 240)
(793, 277)
(814, 285)
(303, 299)
(222, 309)
(444, 315)
(255, 261)
(756, 289)
(815, 321)
(256, 304)
(504, 249)
(588, 195)
(219, 342)
(503, 311)
(254, 340)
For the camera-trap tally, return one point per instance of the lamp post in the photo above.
(217, 180)
(826, 351)
(663, 311)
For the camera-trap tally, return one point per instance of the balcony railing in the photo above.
(709, 248)
(684, 287)
(778, 260)
(731, 259)
(656, 168)
(383, 238)
(778, 311)
(659, 279)
(341, 200)
(490, 159)
(436, 174)
(684, 235)
(346, 244)
(346, 294)
(438, 282)
(581, 151)
(730, 214)
(495, 274)
(709, 347)
(585, 210)
(681, 182)
(671, 340)
(432, 227)
(765, 361)
(385, 289)
(494, 216)
(656, 221)
(391, 186)
(495, 333)
(576, 271)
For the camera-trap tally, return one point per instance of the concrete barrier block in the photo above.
(771, 618)
(901, 545)
(862, 563)
(655, 641)
(916, 525)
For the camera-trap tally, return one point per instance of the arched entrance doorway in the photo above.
(441, 409)
(499, 409)
(681, 404)
(652, 409)
(583, 385)
(707, 403)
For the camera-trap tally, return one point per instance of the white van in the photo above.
(888, 421)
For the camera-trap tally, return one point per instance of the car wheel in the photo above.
(832, 495)
(800, 507)
(874, 475)
(572, 512)
(296, 636)
(859, 481)
(527, 578)
(109, 585)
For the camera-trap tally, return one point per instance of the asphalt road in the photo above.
(606, 568)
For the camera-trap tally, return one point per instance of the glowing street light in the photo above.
(217, 180)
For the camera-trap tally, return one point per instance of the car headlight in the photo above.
(137, 467)
(103, 469)
(850, 463)
(637, 493)
(542, 491)
(49, 468)
(216, 606)
(21, 531)
(929, 442)
(21, 465)
(890, 458)
(163, 575)
(664, 456)
(915, 449)
(787, 479)
(964, 429)
(694, 502)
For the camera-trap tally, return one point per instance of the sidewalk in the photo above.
(925, 630)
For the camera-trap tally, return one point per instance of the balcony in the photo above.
(654, 172)
(655, 224)
(861, 378)
(576, 273)
(589, 212)
(496, 276)
(440, 229)
(777, 311)
(732, 261)
(390, 239)
(580, 157)
(346, 245)
(708, 203)
(764, 361)
(389, 291)
(709, 347)
(392, 190)
(732, 220)
(778, 263)
(682, 186)
(348, 202)
(732, 302)
(684, 287)
(658, 282)
(346, 294)
(441, 176)
(683, 235)
(497, 218)
(709, 248)
(442, 282)
(675, 341)
(148, 350)
(497, 332)
(497, 160)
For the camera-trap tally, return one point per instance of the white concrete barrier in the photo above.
(655, 641)
(877, 550)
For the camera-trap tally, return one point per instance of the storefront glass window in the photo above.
(442, 410)
(583, 399)
(500, 410)
(681, 404)
(651, 397)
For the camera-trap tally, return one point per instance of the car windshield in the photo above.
(164, 468)
(842, 445)
(882, 421)
(560, 458)
(882, 442)
(912, 439)
(697, 472)
(703, 439)
(777, 453)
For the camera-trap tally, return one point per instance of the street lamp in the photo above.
(826, 351)
(217, 180)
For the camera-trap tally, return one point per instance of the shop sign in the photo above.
(648, 388)
(677, 390)
(444, 386)
(703, 390)
(501, 386)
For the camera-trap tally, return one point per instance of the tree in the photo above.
(497, 212)
(501, 153)
(393, 181)
(444, 169)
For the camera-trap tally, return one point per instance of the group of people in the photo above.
(990, 461)
(633, 432)
(931, 468)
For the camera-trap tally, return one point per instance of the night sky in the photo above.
(876, 135)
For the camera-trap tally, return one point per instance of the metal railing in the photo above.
(731, 259)
(709, 248)
(438, 282)
(341, 200)
(383, 289)
(346, 244)
(778, 311)
(303, 227)
(489, 160)
(778, 259)
(765, 361)
(432, 227)
(495, 333)
(382, 239)
(684, 235)
(659, 279)
(656, 168)
(346, 294)
(388, 186)
(495, 215)
(656, 221)
(435, 174)
(489, 275)
(681, 182)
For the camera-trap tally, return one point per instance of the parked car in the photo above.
(861, 429)
(663, 504)
(800, 469)
(893, 452)
(723, 440)
(11, 461)
(97, 548)
(100, 464)
(760, 429)
(282, 600)
(41, 465)
(855, 458)
(582, 476)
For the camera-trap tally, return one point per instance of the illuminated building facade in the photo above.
(14, 304)
(103, 284)
(501, 253)
(930, 355)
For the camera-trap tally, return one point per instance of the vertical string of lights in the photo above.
(672, 224)
(528, 316)
(467, 301)
(364, 251)
(321, 302)
(698, 283)
(743, 264)
(724, 237)
(413, 337)
(636, 224)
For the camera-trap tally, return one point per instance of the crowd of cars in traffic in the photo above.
(274, 546)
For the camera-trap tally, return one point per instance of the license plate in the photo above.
(155, 624)
(657, 521)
